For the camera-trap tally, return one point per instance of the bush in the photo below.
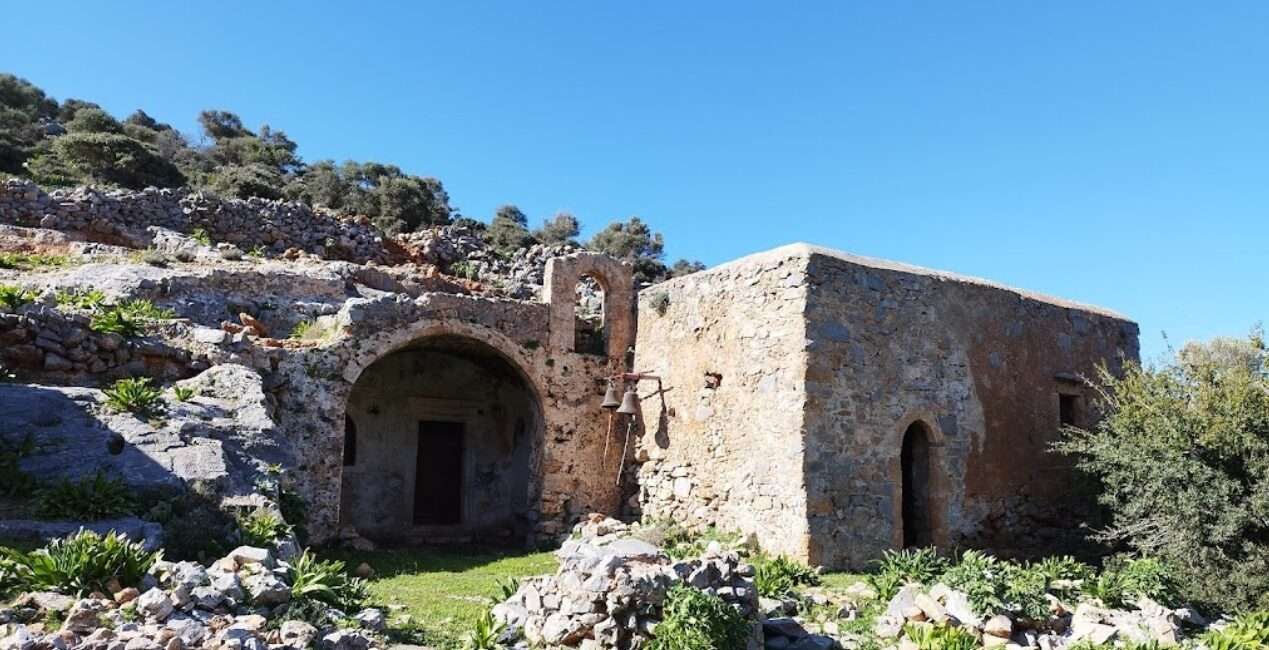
(778, 576)
(134, 395)
(1183, 455)
(200, 235)
(1124, 581)
(183, 393)
(12, 297)
(898, 568)
(81, 563)
(89, 499)
(1247, 632)
(695, 620)
(993, 585)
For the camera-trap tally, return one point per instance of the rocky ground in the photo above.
(239, 602)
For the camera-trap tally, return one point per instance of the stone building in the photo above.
(836, 406)
(832, 406)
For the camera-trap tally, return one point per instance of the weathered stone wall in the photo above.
(981, 366)
(727, 448)
(122, 216)
(792, 375)
(499, 423)
(568, 478)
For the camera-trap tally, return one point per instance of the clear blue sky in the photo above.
(1112, 153)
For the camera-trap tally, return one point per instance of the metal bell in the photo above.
(610, 397)
(629, 403)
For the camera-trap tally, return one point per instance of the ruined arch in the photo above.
(449, 438)
(559, 287)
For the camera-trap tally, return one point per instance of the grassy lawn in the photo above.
(442, 589)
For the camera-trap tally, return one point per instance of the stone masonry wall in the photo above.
(981, 366)
(122, 216)
(726, 450)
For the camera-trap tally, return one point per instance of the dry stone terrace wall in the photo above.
(981, 367)
(727, 448)
(122, 216)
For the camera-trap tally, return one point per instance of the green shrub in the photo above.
(134, 395)
(506, 589)
(484, 633)
(183, 393)
(1183, 458)
(27, 261)
(89, 499)
(12, 297)
(1247, 632)
(993, 585)
(326, 581)
(464, 269)
(81, 563)
(778, 576)
(145, 310)
(695, 620)
(200, 235)
(898, 568)
(927, 636)
(113, 321)
(86, 299)
(261, 528)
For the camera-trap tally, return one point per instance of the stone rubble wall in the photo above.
(37, 339)
(981, 366)
(725, 448)
(122, 216)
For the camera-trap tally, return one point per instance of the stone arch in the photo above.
(450, 426)
(617, 280)
(918, 482)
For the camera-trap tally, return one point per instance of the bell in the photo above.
(610, 397)
(629, 403)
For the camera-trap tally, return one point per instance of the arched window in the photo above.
(589, 336)
(915, 463)
(350, 441)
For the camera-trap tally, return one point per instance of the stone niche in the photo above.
(440, 439)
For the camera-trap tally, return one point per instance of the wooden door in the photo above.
(438, 479)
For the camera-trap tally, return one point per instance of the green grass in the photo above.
(443, 590)
(842, 580)
(28, 261)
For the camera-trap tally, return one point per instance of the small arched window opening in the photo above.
(589, 335)
(915, 462)
(350, 441)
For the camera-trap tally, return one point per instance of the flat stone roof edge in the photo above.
(805, 250)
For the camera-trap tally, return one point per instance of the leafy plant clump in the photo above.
(778, 576)
(200, 235)
(898, 568)
(1183, 455)
(134, 395)
(128, 318)
(13, 481)
(89, 499)
(12, 297)
(695, 620)
(81, 563)
(484, 633)
(1247, 632)
(1124, 581)
(183, 393)
(927, 636)
(326, 581)
(261, 528)
(86, 299)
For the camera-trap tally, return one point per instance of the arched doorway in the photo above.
(447, 438)
(914, 460)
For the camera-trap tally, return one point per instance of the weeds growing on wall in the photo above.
(85, 299)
